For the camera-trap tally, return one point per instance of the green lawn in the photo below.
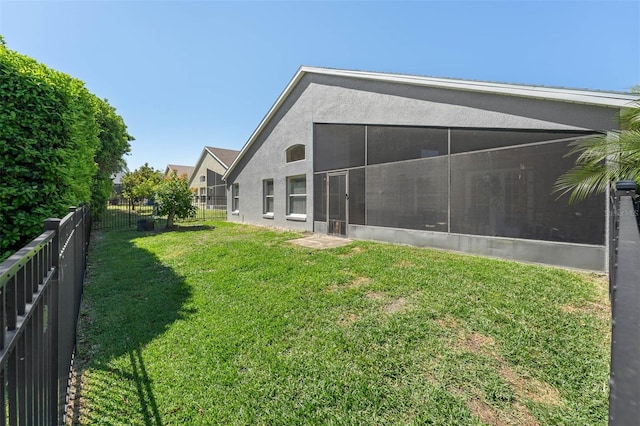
(217, 323)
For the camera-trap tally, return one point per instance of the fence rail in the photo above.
(40, 294)
(123, 213)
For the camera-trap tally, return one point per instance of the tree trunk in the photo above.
(170, 220)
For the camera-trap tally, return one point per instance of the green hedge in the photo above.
(59, 144)
(113, 143)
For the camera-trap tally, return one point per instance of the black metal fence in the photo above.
(40, 294)
(624, 291)
(123, 213)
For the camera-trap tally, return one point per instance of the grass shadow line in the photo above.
(130, 298)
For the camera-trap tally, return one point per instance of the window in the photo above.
(267, 203)
(202, 178)
(297, 197)
(235, 194)
(295, 153)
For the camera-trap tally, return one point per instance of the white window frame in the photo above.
(235, 198)
(266, 197)
(296, 216)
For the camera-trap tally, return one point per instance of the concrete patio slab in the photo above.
(320, 241)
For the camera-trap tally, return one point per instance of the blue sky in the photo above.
(185, 74)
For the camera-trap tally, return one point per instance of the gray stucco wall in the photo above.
(328, 99)
(344, 100)
(579, 256)
(266, 160)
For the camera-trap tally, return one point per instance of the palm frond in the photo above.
(581, 182)
(603, 160)
(630, 117)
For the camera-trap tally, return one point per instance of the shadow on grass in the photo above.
(130, 298)
(186, 228)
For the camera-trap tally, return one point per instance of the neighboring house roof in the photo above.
(223, 156)
(582, 96)
(180, 170)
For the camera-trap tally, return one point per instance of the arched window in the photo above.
(295, 153)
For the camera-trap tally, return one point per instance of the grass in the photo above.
(221, 323)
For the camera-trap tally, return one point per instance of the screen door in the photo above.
(338, 204)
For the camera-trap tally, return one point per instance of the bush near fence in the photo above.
(59, 145)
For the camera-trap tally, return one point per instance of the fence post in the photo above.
(624, 381)
(53, 305)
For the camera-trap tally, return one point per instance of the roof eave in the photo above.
(216, 157)
(610, 99)
(283, 96)
(198, 164)
(604, 99)
(201, 160)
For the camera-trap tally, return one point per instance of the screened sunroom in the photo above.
(491, 182)
(458, 165)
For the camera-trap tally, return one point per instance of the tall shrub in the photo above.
(49, 138)
(113, 144)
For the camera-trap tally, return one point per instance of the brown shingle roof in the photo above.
(180, 170)
(225, 155)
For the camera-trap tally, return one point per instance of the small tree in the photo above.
(174, 198)
(141, 183)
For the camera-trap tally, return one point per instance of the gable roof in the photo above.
(180, 170)
(581, 96)
(224, 156)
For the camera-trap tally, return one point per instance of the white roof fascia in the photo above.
(605, 99)
(201, 160)
(611, 99)
(197, 166)
(283, 96)
(216, 158)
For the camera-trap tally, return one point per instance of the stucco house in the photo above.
(116, 178)
(206, 179)
(451, 164)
